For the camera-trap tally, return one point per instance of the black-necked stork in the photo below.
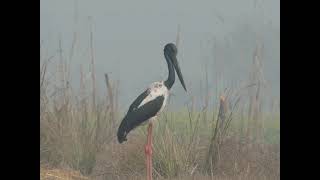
(150, 103)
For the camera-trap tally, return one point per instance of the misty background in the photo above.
(219, 36)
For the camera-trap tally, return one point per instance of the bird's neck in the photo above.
(171, 77)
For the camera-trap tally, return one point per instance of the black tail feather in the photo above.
(122, 131)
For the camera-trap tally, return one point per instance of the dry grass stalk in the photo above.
(93, 74)
(212, 157)
(254, 114)
(110, 97)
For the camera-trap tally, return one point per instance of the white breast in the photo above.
(156, 89)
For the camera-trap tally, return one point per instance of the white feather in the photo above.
(156, 89)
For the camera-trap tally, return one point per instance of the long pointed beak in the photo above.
(177, 68)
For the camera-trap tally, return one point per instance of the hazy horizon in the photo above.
(128, 40)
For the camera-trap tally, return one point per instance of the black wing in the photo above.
(138, 101)
(136, 116)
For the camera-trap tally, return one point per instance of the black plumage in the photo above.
(137, 115)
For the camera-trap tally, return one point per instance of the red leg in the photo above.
(148, 151)
(150, 148)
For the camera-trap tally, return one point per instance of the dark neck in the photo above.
(171, 77)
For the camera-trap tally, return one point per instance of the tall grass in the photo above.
(227, 140)
(73, 127)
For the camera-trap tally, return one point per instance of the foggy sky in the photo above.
(129, 37)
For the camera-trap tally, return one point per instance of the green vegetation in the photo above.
(234, 139)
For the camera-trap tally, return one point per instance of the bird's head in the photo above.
(171, 51)
(170, 48)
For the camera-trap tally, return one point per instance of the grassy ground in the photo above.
(78, 135)
(180, 150)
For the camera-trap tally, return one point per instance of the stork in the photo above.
(150, 103)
